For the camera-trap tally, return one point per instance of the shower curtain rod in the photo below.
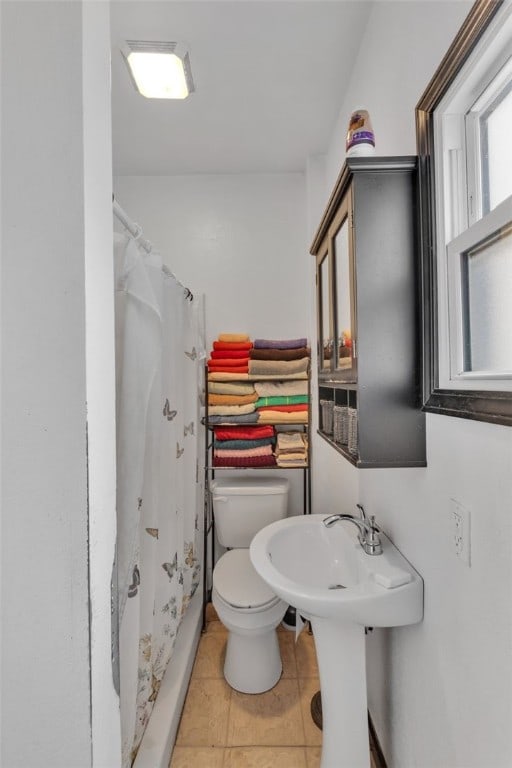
(136, 231)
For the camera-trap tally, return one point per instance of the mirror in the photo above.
(343, 324)
(324, 335)
(335, 298)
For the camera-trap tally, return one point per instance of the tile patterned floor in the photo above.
(222, 728)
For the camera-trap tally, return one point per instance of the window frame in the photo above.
(479, 404)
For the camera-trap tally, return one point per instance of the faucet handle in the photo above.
(363, 513)
(373, 544)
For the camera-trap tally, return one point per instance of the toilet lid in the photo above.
(237, 582)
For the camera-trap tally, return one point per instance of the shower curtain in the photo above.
(159, 550)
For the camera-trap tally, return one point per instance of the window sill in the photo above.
(491, 407)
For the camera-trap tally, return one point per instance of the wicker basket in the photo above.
(340, 424)
(353, 448)
(326, 407)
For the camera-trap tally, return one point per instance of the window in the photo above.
(464, 125)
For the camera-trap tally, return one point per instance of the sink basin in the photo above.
(324, 572)
(326, 575)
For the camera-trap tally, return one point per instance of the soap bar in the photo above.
(392, 577)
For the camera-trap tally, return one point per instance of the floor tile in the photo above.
(222, 728)
(272, 718)
(214, 627)
(265, 757)
(210, 656)
(308, 687)
(313, 757)
(204, 720)
(287, 650)
(211, 613)
(197, 757)
(305, 655)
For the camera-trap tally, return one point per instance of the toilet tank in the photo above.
(243, 506)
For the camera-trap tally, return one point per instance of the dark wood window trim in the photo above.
(490, 406)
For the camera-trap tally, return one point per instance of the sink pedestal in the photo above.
(341, 658)
(329, 578)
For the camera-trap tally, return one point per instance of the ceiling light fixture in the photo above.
(159, 70)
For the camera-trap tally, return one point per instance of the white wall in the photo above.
(440, 693)
(54, 188)
(100, 376)
(240, 240)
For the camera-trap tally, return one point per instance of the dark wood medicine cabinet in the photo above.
(369, 341)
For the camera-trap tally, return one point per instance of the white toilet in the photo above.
(244, 603)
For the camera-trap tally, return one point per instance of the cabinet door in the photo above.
(344, 356)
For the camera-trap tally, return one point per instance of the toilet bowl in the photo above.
(245, 604)
(250, 611)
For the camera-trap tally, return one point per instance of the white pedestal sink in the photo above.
(325, 574)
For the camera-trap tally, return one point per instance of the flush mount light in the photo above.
(159, 70)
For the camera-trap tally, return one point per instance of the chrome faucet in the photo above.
(368, 535)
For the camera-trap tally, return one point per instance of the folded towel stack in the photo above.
(230, 355)
(264, 382)
(231, 401)
(244, 446)
(279, 359)
(284, 401)
(291, 449)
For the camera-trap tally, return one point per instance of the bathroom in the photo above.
(439, 693)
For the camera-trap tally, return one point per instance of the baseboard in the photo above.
(158, 740)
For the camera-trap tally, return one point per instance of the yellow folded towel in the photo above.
(273, 367)
(214, 399)
(270, 376)
(224, 376)
(233, 337)
(230, 388)
(282, 417)
(286, 464)
(289, 456)
(281, 388)
(291, 441)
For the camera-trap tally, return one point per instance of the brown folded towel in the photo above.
(279, 354)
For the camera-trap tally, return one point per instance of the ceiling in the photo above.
(270, 77)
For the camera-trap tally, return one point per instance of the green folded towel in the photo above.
(281, 400)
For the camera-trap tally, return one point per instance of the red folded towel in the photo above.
(219, 354)
(232, 345)
(228, 362)
(247, 461)
(243, 433)
(285, 408)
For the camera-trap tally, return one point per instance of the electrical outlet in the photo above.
(460, 531)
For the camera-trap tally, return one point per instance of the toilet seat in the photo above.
(238, 584)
